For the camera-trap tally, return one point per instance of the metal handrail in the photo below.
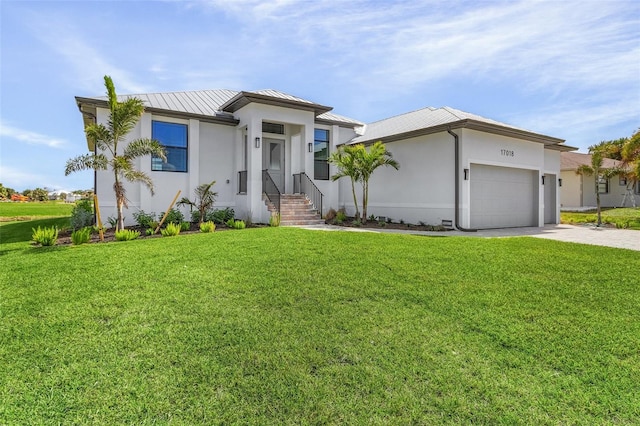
(302, 184)
(270, 189)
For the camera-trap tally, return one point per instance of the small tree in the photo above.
(345, 159)
(598, 154)
(205, 198)
(368, 162)
(123, 116)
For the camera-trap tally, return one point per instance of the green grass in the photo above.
(288, 326)
(628, 218)
(11, 211)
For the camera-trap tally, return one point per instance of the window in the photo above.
(174, 139)
(321, 154)
(603, 185)
(622, 180)
(273, 128)
(637, 185)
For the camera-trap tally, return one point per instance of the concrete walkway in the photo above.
(588, 234)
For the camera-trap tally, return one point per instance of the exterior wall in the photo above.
(571, 191)
(422, 190)
(210, 150)
(552, 169)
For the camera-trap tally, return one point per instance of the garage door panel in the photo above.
(503, 197)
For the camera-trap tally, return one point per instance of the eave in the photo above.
(243, 99)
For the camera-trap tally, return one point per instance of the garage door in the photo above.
(503, 197)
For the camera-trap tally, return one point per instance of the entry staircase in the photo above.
(295, 210)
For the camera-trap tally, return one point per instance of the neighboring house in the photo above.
(578, 191)
(455, 168)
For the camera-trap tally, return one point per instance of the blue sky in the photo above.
(561, 68)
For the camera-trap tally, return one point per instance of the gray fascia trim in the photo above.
(244, 98)
(561, 148)
(228, 121)
(337, 123)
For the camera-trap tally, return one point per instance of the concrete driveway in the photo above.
(588, 234)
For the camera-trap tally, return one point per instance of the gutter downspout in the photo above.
(457, 183)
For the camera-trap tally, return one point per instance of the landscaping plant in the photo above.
(207, 227)
(204, 200)
(123, 117)
(81, 215)
(47, 236)
(174, 216)
(144, 219)
(81, 236)
(126, 234)
(171, 230)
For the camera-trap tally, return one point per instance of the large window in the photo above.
(321, 154)
(173, 137)
(603, 185)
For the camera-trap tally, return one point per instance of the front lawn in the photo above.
(626, 218)
(12, 211)
(289, 326)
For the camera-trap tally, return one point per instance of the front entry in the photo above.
(273, 161)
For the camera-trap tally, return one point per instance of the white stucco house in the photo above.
(455, 167)
(578, 191)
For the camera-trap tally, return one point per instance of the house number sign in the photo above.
(507, 153)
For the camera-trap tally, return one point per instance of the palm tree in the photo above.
(345, 159)
(205, 198)
(367, 163)
(598, 154)
(123, 117)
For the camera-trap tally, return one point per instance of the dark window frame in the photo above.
(603, 185)
(321, 162)
(171, 147)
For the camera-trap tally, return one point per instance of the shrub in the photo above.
(82, 215)
(112, 221)
(372, 218)
(220, 216)
(357, 223)
(236, 224)
(126, 235)
(274, 220)
(45, 236)
(171, 230)
(149, 231)
(174, 216)
(195, 216)
(331, 214)
(81, 236)
(207, 227)
(144, 219)
(185, 226)
(341, 216)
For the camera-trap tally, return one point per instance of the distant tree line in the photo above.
(40, 194)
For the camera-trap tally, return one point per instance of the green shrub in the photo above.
(357, 223)
(144, 219)
(341, 216)
(112, 221)
(126, 235)
(330, 216)
(207, 227)
(149, 231)
(81, 236)
(81, 215)
(372, 218)
(185, 226)
(220, 216)
(195, 216)
(274, 220)
(174, 216)
(236, 224)
(45, 236)
(171, 230)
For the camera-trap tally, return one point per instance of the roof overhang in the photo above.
(88, 107)
(243, 99)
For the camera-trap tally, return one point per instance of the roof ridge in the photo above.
(404, 113)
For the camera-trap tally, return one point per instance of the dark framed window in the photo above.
(622, 180)
(173, 137)
(321, 154)
(276, 128)
(603, 185)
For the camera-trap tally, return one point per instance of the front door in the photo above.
(273, 161)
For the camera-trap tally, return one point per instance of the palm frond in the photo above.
(585, 170)
(100, 136)
(133, 175)
(142, 147)
(86, 162)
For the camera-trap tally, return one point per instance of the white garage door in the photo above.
(503, 197)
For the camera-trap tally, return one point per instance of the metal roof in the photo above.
(220, 103)
(432, 120)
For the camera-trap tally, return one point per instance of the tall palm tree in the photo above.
(367, 163)
(598, 154)
(123, 117)
(346, 160)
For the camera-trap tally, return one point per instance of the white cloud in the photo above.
(29, 137)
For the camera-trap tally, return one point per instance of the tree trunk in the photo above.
(598, 202)
(365, 200)
(355, 198)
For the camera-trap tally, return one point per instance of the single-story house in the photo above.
(261, 147)
(578, 191)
